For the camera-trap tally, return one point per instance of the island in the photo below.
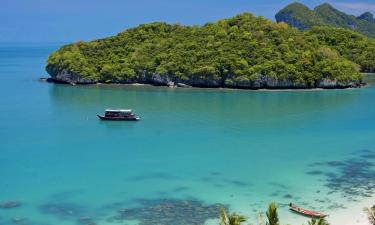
(245, 52)
(300, 16)
(352, 37)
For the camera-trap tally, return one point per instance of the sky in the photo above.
(73, 20)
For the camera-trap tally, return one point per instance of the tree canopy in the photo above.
(229, 52)
(300, 16)
(351, 45)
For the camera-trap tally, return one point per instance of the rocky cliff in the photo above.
(261, 82)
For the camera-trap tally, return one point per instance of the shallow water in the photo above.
(193, 149)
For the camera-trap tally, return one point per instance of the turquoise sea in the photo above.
(192, 150)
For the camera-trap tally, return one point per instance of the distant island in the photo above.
(351, 36)
(300, 16)
(241, 52)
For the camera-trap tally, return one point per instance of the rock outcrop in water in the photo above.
(262, 82)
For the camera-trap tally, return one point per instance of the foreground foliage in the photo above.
(272, 218)
(272, 215)
(370, 212)
(227, 53)
(231, 219)
(320, 221)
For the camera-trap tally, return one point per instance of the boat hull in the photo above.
(135, 118)
(307, 213)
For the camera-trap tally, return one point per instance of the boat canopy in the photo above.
(118, 110)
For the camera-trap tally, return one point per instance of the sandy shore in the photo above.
(354, 215)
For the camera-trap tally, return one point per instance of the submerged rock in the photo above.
(10, 204)
(170, 212)
(353, 177)
(63, 210)
(18, 220)
(86, 220)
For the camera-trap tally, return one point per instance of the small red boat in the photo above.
(306, 212)
(119, 115)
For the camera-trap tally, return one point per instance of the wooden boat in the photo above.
(119, 115)
(306, 212)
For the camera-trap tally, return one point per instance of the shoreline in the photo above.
(352, 215)
(186, 87)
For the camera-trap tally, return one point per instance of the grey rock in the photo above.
(261, 81)
(71, 78)
(182, 85)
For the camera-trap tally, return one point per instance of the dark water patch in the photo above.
(336, 206)
(64, 195)
(335, 163)
(10, 204)
(151, 176)
(368, 156)
(353, 178)
(161, 193)
(64, 210)
(215, 173)
(365, 153)
(219, 182)
(238, 183)
(181, 189)
(170, 212)
(114, 205)
(316, 164)
(275, 194)
(84, 220)
(323, 200)
(314, 172)
(279, 185)
(288, 196)
(20, 221)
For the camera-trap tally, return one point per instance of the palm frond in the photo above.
(370, 214)
(320, 221)
(223, 217)
(272, 214)
(231, 219)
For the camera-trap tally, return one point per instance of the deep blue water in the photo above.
(195, 147)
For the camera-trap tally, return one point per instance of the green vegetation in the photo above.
(231, 219)
(272, 215)
(351, 45)
(272, 218)
(243, 52)
(301, 17)
(336, 30)
(370, 212)
(320, 221)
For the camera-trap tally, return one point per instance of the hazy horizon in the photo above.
(59, 22)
